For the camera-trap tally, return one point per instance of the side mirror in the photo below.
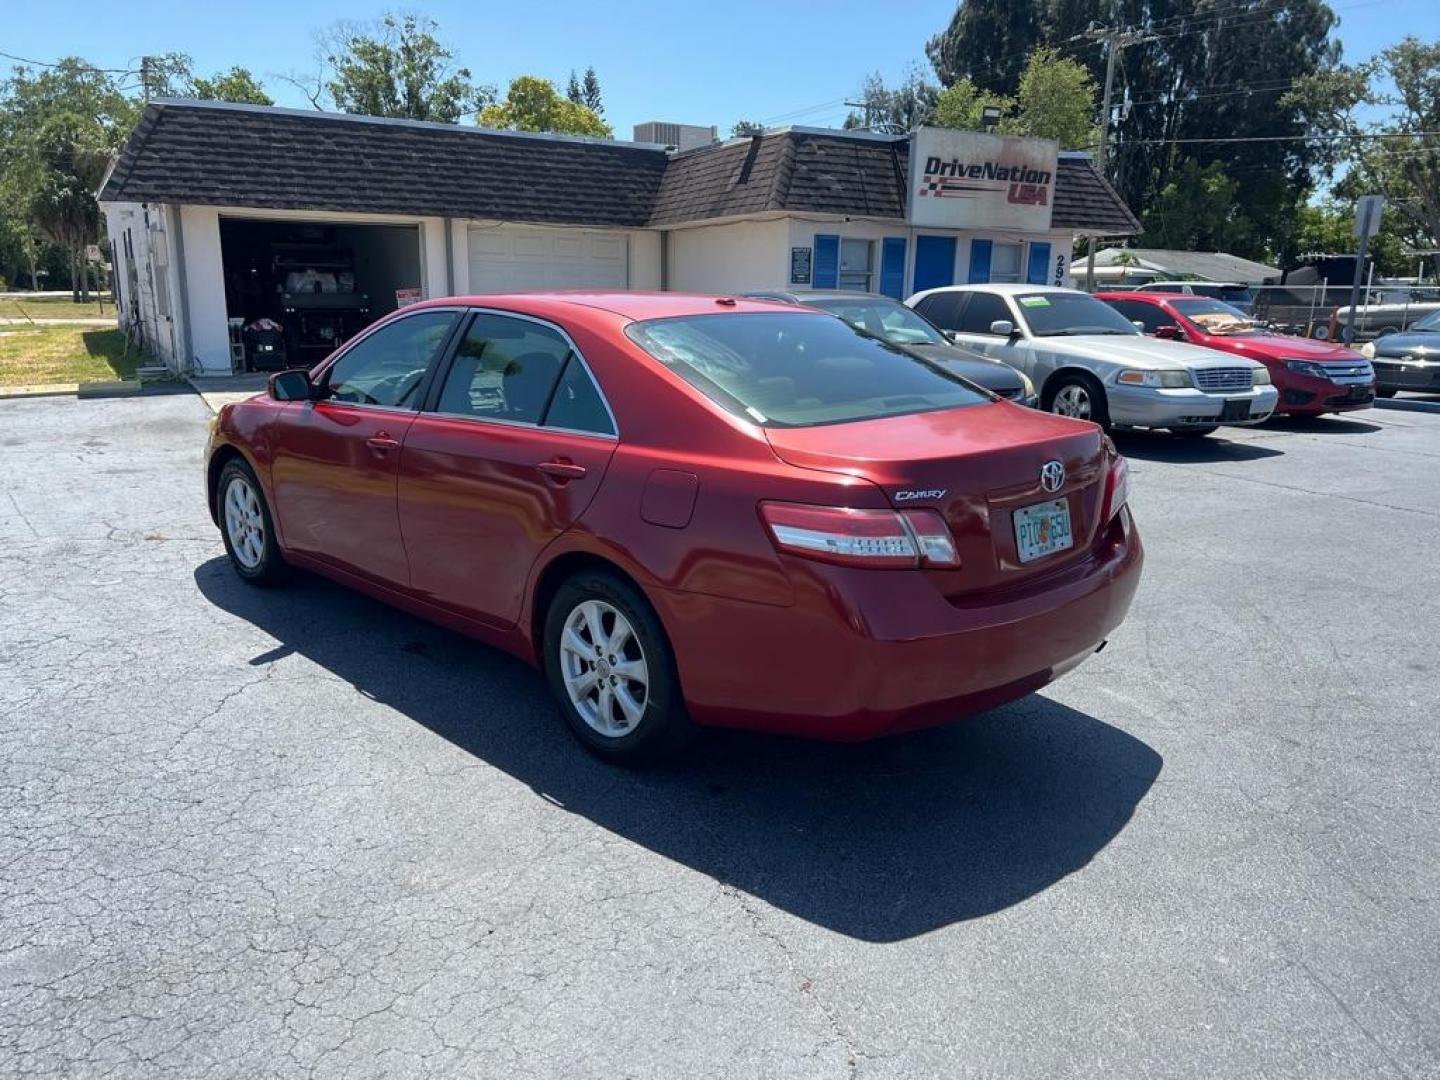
(1002, 328)
(1170, 332)
(291, 385)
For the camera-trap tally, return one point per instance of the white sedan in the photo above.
(1087, 361)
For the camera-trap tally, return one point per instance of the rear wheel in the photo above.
(1384, 393)
(1078, 395)
(612, 671)
(246, 525)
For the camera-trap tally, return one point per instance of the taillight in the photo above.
(878, 539)
(1117, 488)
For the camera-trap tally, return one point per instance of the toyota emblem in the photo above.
(1052, 476)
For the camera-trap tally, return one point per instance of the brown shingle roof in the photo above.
(230, 155)
(245, 155)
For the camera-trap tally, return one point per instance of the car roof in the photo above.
(628, 305)
(810, 296)
(1212, 284)
(1003, 288)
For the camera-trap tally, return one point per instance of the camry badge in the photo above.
(1052, 476)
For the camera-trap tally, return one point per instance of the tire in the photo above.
(246, 525)
(1195, 432)
(1078, 395)
(629, 721)
(1385, 393)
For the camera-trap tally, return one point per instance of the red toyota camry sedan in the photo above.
(689, 511)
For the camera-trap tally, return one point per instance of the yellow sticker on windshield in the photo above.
(1034, 301)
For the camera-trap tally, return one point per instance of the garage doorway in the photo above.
(514, 258)
(294, 290)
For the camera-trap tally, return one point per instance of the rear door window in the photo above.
(984, 309)
(943, 309)
(799, 370)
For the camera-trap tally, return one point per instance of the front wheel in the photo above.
(247, 527)
(612, 671)
(1078, 396)
(1385, 393)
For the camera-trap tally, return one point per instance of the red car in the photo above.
(1312, 377)
(689, 510)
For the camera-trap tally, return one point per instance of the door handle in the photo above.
(561, 471)
(382, 443)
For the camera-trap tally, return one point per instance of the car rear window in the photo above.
(797, 369)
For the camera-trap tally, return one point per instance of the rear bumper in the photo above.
(1188, 407)
(867, 653)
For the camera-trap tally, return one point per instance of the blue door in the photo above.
(1039, 268)
(980, 251)
(892, 267)
(934, 262)
(827, 262)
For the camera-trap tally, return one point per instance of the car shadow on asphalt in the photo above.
(1322, 425)
(880, 841)
(1145, 445)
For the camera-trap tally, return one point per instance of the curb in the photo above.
(39, 390)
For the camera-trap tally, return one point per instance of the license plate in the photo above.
(1043, 529)
(1235, 410)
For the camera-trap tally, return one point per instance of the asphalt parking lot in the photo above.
(296, 833)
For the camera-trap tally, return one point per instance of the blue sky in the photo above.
(778, 61)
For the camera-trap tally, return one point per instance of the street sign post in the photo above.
(1367, 224)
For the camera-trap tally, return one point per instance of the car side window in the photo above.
(943, 309)
(504, 369)
(1151, 316)
(984, 309)
(576, 404)
(387, 365)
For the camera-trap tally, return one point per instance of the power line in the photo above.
(1287, 138)
(62, 63)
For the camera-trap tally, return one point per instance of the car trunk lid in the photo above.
(976, 466)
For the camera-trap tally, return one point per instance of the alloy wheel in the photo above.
(604, 668)
(1072, 400)
(244, 523)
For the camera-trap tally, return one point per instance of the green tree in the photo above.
(899, 109)
(399, 68)
(1056, 100)
(1329, 227)
(987, 42)
(533, 104)
(58, 128)
(1388, 156)
(745, 129)
(590, 92)
(960, 105)
(236, 85)
(1198, 209)
(1214, 69)
(573, 90)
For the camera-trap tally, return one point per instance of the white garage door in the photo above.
(511, 258)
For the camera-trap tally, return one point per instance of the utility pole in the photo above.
(1115, 39)
(145, 80)
(861, 105)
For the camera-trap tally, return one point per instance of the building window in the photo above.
(856, 262)
(1005, 262)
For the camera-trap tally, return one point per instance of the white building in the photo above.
(223, 213)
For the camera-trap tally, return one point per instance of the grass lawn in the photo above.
(64, 354)
(54, 307)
